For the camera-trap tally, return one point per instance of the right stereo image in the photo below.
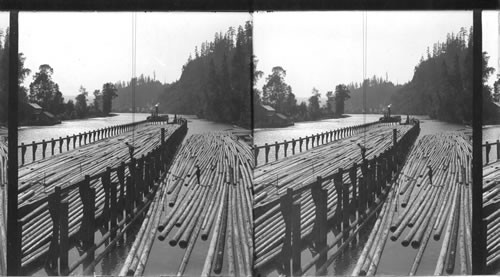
(363, 142)
(491, 141)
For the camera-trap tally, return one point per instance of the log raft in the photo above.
(104, 185)
(329, 187)
(491, 211)
(208, 196)
(436, 184)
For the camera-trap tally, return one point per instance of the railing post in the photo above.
(307, 143)
(353, 207)
(286, 202)
(64, 239)
(105, 180)
(266, 148)
(113, 210)
(338, 183)
(60, 144)
(285, 148)
(320, 229)
(312, 140)
(23, 152)
(296, 243)
(79, 139)
(52, 146)
(345, 207)
(67, 143)
(33, 150)
(293, 146)
(54, 201)
(87, 196)
(300, 144)
(256, 153)
(498, 149)
(44, 147)
(488, 148)
(276, 150)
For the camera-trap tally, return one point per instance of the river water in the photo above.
(396, 260)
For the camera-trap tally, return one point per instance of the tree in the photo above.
(276, 92)
(81, 103)
(108, 93)
(45, 92)
(314, 109)
(97, 100)
(341, 94)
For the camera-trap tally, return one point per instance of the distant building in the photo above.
(37, 116)
(266, 116)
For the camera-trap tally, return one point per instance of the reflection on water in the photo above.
(27, 134)
(303, 129)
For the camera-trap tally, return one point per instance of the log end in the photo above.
(415, 244)
(394, 238)
(172, 242)
(405, 243)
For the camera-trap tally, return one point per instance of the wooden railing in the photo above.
(358, 198)
(487, 147)
(39, 149)
(112, 200)
(304, 144)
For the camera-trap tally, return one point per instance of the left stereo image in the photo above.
(134, 143)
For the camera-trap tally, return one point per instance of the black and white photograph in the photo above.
(363, 143)
(134, 143)
(180, 140)
(491, 137)
(4, 69)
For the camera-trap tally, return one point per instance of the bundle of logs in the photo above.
(106, 185)
(208, 195)
(431, 198)
(39, 149)
(332, 187)
(303, 144)
(491, 210)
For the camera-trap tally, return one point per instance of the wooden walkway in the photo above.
(99, 164)
(426, 204)
(324, 165)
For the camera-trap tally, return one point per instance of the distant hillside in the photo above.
(146, 95)
(378, 96)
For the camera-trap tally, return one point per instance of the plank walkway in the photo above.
(39, 179)
(295, 172)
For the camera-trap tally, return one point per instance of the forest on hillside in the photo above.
(441, 86)
(215, 84)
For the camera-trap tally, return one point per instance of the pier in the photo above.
(338, 186)
(101, 185)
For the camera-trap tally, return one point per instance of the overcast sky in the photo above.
(92, 48)
(317, 49)
(323, 49)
